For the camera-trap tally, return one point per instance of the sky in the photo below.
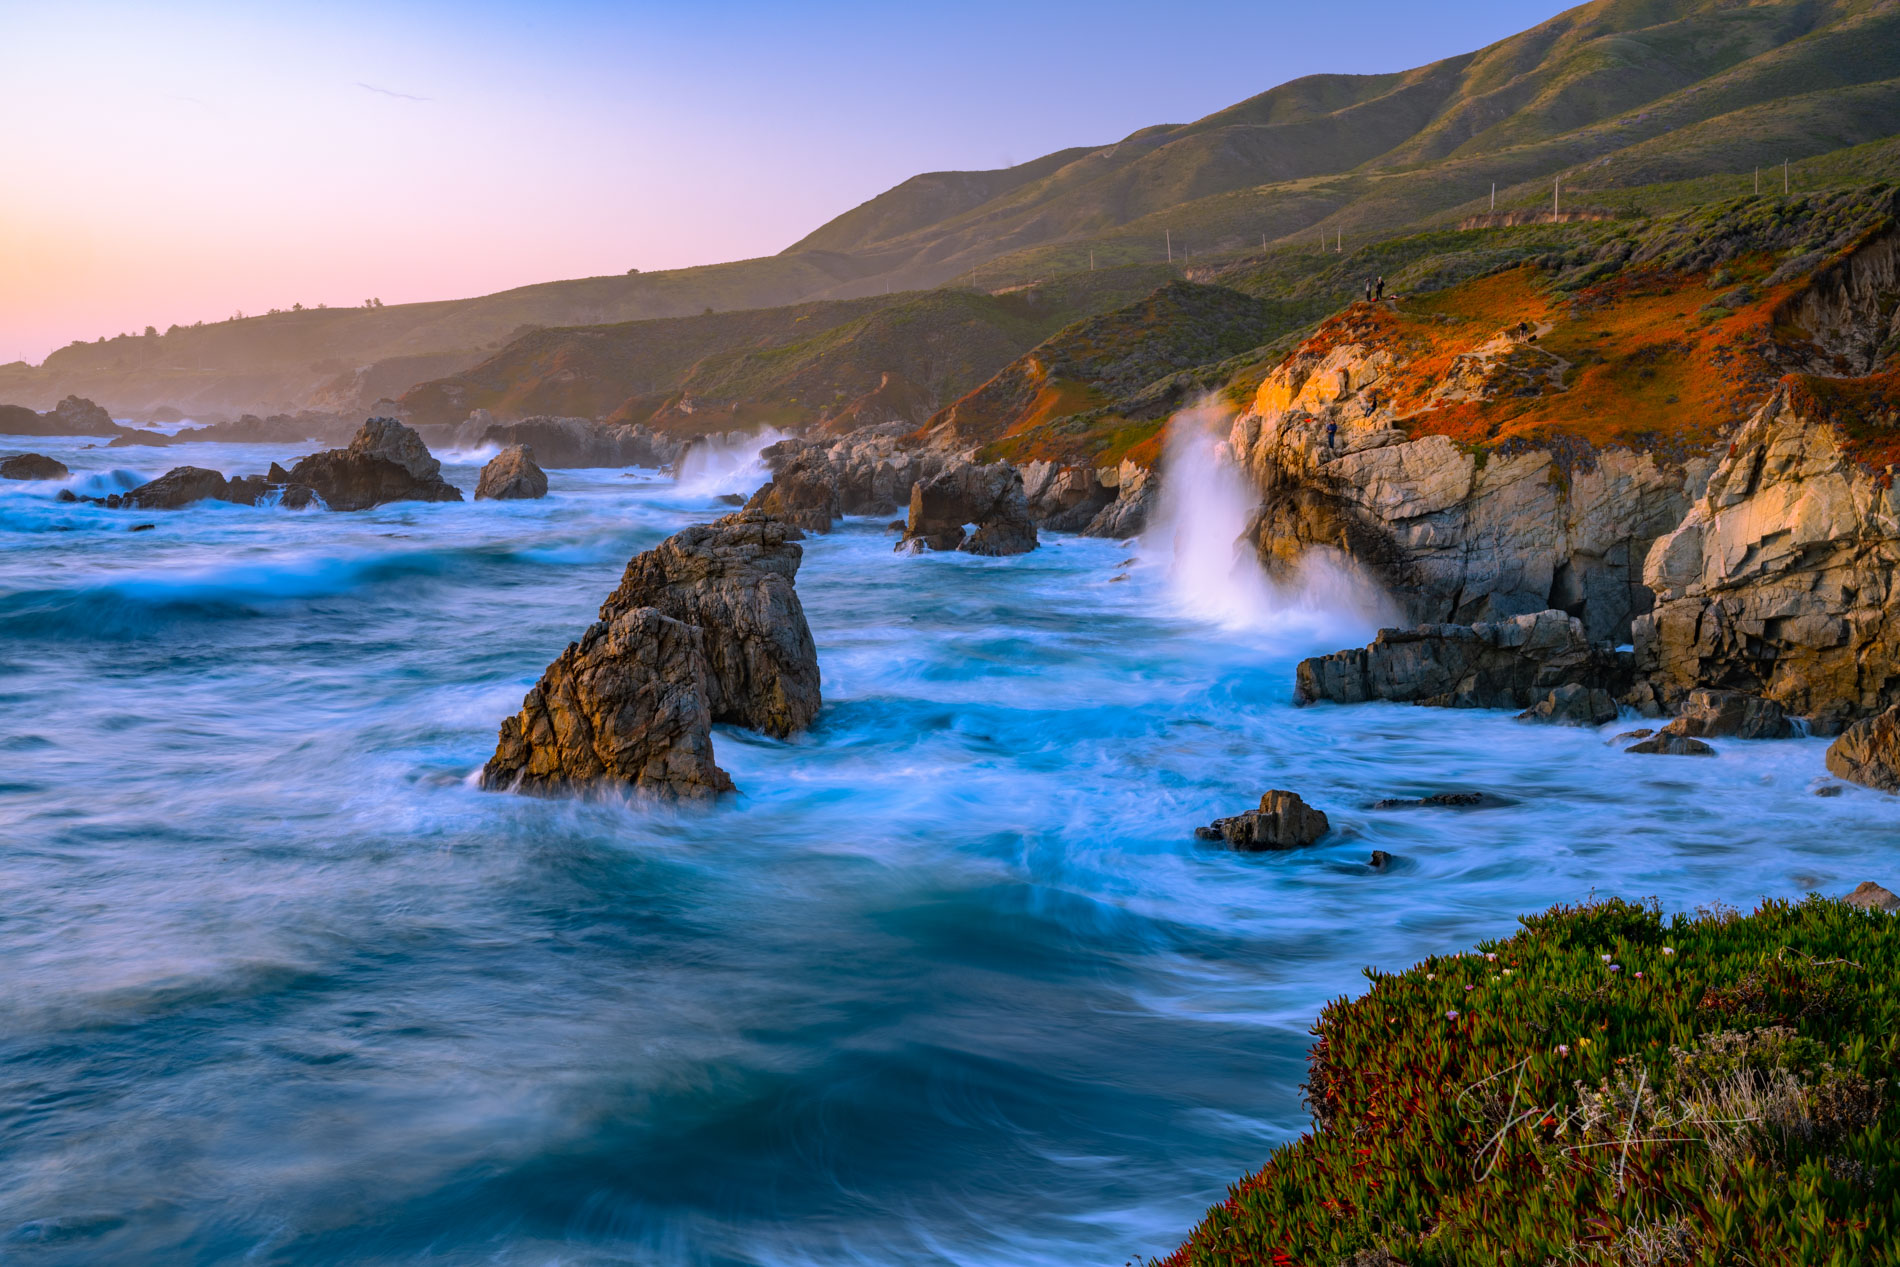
(186, 161)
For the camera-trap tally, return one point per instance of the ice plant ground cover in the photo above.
(1607, 1085)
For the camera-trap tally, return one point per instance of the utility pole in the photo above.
(1556, 197)
(1494, 195)
(1784, 178)
(1170, 240)
(1758, 178)
(1091, 261)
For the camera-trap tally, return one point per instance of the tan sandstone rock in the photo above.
(512, 475)
(1779, 581)
(1868, 752)
(1283, 821)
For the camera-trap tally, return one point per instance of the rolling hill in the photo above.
(1607, 99)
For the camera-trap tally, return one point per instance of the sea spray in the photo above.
(1200, 536)
(717, 466)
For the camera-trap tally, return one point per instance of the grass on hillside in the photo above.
(1606, 1086)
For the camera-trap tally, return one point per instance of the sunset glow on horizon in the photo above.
(180, 166)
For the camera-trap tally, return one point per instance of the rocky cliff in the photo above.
(1780, 578)
(1634, 454)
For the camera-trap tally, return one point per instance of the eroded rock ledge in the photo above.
(1514, 663)
(704, 628)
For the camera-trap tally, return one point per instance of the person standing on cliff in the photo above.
(1332, 429)
(1381, 285)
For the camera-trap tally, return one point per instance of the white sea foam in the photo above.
(1199, 536)
(716, 467)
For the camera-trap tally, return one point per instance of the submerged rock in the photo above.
(512, 475)
(32, 466)
(1673, 746)
(1283, 821)
(1868, 752)
(1708, 714)
(1513, 663)
(706, 627)
(628, 704)
(1444, 800)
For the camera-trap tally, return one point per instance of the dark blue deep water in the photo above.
(950, 983)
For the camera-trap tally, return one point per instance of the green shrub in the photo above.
(1606, 1086)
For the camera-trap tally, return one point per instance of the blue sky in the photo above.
(181, 162)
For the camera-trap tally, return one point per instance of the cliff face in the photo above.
(1456, 534)
(1592, 456)
(1780, 578)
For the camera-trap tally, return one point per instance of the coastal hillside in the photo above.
(835, 363)
(1603, 100)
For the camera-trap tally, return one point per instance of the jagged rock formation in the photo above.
(1283, 821)
(1454, 539)
(385, 462)
(1067, 498)
(803, 489)
(1730, 715)
(706, 627)
(628, 704)
(32, 466)
(1779, 580)
(512, 475)
(1512, 663)
(734, 579)
(1137, 492)
(1868, 752)
(1572, 705)
(185, 485)
(1873, 897)
(990, 497)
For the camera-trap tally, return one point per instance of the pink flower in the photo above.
(1451, 1016)
(1563, 1049)
(1639, 976)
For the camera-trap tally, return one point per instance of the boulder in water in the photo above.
(1672, 746)
(705, 627)
(385, 462)
(1514, 663)
(1868, 752)
(1283, 821)
(1572, 705)
(627, 705)
(1708, 714)
(734, 579)
(185, 485)
(512, 475)
(32, 466)
(989, 497)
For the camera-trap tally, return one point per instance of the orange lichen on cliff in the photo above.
(1865, 412)
(1644, 362)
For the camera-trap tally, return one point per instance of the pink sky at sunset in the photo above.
(180, 165)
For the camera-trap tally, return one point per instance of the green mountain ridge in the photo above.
(1607, 98)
